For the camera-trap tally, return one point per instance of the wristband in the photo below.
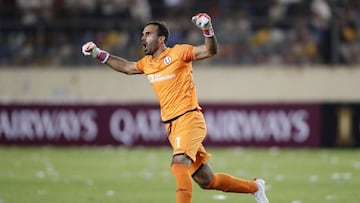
(102, 56)
(209, 32)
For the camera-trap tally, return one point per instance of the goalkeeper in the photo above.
(169, 71)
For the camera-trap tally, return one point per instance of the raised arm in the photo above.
(115, 62)
(210, 47)
(122, 65)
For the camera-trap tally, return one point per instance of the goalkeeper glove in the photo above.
(90, 48)
(203, 21)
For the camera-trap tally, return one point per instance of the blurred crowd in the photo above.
(250, 32)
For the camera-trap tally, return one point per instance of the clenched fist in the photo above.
(203, 21)
(90, 48)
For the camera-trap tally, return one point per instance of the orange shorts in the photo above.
(186, 135)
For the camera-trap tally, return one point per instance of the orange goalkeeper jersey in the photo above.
(170, 75)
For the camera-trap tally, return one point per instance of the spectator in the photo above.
(249, 31)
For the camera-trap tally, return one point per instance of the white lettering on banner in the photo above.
(122, 127)
(260, 126)
(223, 126)
(128, 128)
(26, 124)
(302, 127)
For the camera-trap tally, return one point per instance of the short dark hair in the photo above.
(163, 30)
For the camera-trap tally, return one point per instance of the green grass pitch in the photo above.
(142, 175)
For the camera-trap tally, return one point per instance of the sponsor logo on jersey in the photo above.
(158, 77)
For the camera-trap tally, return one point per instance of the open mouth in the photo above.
(144, 46)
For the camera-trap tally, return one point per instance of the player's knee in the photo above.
(204, 181)
(204, 176)
(182, 159)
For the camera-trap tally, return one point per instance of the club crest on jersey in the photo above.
(167, 60)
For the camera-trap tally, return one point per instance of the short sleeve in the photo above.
(140, 65)
(186, 52)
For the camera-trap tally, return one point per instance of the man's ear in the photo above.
(162, 39)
